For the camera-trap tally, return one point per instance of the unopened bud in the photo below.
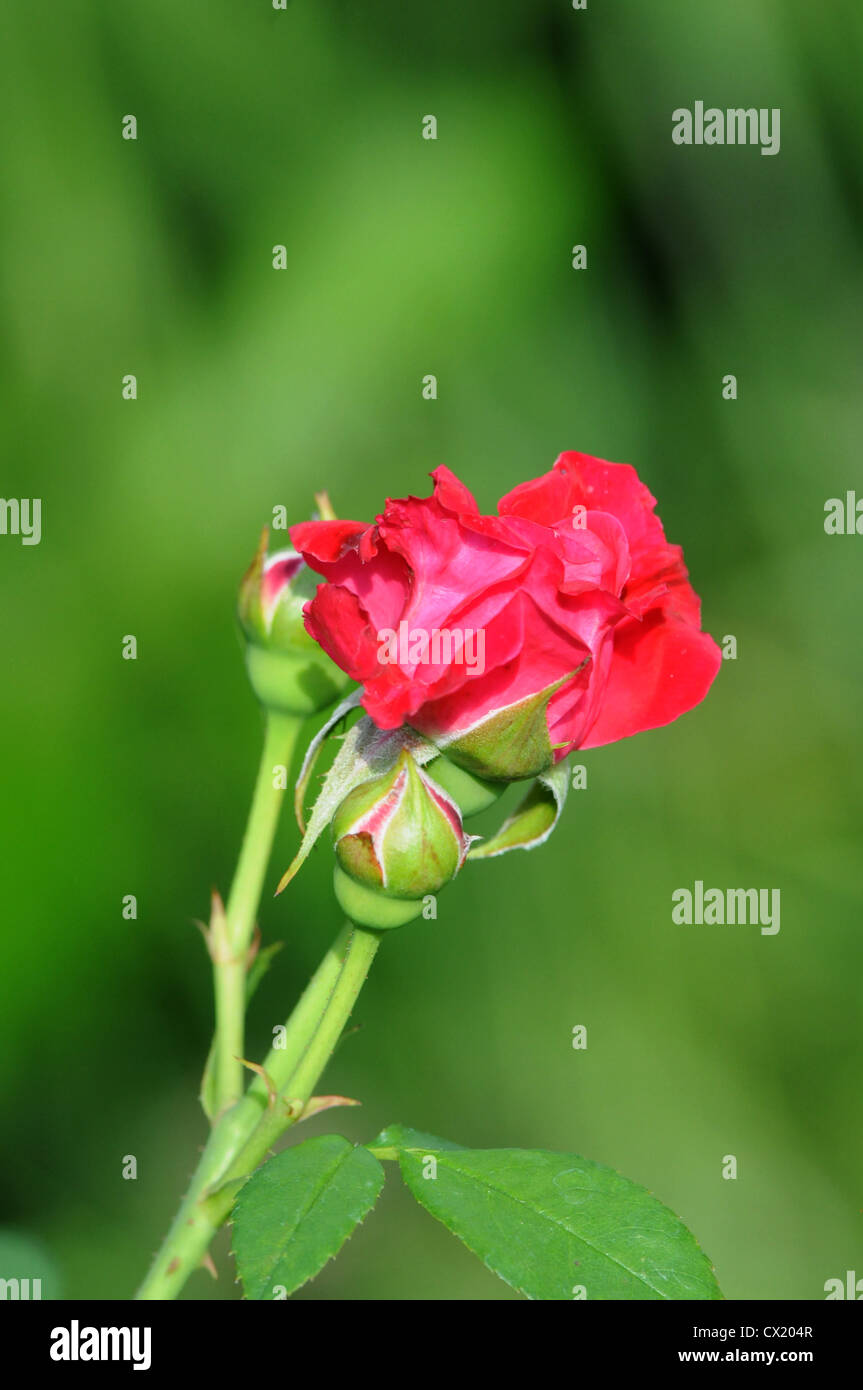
(399, 836)
(289, 672)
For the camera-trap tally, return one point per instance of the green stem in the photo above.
(283, 1061)
(244, 1134)
(298, 1087)
(230, 946)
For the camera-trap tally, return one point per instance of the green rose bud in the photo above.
(398, 837)
(289, 672)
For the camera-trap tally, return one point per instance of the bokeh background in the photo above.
(257, 387)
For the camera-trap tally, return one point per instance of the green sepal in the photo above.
(533, 820)
(365, 751)
(513, 743)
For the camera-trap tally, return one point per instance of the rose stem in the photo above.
(243, 1136)
(231, 947)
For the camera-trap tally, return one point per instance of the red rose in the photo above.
(566, 621)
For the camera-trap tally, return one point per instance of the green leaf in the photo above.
(296, 1212)
(398, 1137)
(553, 1224)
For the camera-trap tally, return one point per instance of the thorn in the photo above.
(207, 1264)
(272, 1093)
(203, 929)
(348, 1033)
(214, 933)
(320, 1103)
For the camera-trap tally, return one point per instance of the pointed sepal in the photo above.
(365, 752)
(510, 744)
(533, 821)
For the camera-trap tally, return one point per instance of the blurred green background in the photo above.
(257, 387)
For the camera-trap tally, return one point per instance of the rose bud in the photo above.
(565, 621)
(398, 837)
(289, 671)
